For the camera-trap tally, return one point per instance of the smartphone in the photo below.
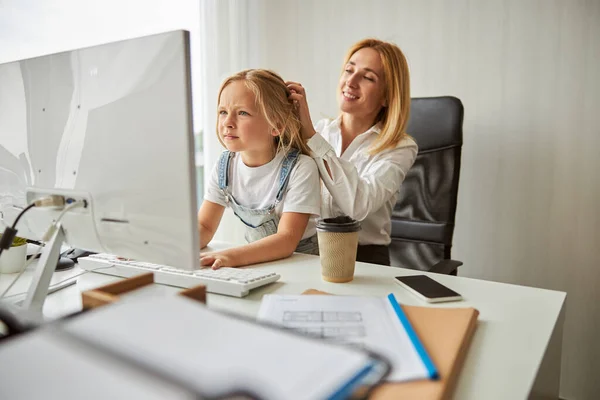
(428, 289)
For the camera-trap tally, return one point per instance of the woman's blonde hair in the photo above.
(271, 96)
(393, 117)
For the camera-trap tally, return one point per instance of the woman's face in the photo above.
(362, 87)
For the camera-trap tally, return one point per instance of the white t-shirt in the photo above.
(364, 186)
(256, 187)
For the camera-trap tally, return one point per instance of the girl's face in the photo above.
(361, 90)
(242, 127)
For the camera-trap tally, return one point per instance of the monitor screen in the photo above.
(110, 124)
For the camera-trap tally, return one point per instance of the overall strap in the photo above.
(224, 160)
(286, 169)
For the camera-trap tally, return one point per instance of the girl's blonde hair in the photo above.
(271, 96)
(393, 117)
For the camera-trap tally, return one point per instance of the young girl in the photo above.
(265, 175)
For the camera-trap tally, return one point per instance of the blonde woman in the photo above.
(363, 155)
(265, 175)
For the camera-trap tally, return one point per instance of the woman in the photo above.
(363, 155)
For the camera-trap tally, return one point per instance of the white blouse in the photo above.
(364, 187)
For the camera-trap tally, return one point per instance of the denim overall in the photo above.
(263, 222)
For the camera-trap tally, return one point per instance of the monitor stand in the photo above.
(38, 289)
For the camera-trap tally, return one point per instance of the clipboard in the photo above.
(448, 351)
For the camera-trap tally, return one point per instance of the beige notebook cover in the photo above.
(446, 334)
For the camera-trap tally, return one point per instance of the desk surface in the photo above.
(514, 328)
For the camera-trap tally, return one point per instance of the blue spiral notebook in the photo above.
(373, 323)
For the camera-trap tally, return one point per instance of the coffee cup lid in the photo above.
(338, 224)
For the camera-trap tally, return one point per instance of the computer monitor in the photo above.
(112, 125)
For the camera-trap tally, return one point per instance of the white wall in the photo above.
(528, 73)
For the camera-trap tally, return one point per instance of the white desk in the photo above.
(515, 353)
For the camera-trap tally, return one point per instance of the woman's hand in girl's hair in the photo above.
(215, 260)
(298, 96)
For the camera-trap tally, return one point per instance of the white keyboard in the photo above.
(229, 281)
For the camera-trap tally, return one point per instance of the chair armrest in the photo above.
(446, 267)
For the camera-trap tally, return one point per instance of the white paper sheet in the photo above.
(368, 322)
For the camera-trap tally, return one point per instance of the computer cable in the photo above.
(45, 238)
(9, 234)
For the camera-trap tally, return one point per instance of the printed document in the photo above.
(366, 322)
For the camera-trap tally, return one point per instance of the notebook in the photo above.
(448, 350)
(375, 323)
(215, 354)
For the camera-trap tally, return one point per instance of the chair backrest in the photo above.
(423, 217)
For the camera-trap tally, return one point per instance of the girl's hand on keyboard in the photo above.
(215, 260)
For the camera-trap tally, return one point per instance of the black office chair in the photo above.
(423, 217)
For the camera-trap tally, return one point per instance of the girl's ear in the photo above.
(276, 131)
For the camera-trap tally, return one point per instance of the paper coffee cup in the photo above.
(338, 242)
